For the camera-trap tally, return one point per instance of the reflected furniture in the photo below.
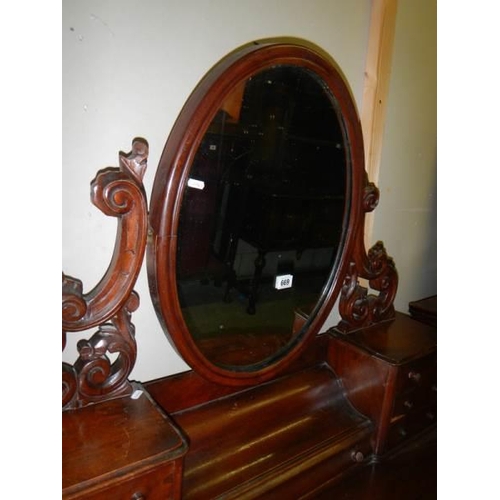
(274, 406)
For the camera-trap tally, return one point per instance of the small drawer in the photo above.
(405, 405)
(405, 426)
(156, 484)
(418, 375)
(413, 400)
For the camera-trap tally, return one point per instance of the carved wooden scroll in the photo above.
(117, 192)
(357, 307)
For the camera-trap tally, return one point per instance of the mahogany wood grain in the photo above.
(409, 474)
(121, 447)
(289, 435)
(397, 341)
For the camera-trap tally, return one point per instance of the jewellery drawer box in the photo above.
(122, 448)
(389, 374)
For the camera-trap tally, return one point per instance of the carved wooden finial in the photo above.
(117, 192)
(135, 162)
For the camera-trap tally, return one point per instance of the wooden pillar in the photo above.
(376, 89)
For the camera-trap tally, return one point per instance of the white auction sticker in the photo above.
(196, 183)
(283, 281)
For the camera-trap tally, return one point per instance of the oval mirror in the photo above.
(251, 211)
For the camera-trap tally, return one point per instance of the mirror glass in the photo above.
(261, 216)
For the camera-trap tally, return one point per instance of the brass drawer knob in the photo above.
(137, 496)
(415, 376)
(357, 456)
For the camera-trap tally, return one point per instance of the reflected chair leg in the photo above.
(260, 263)
(231, 275)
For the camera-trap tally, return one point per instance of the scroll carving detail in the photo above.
(116, 192)
(357, 307)
(94, 377)
(371, 196)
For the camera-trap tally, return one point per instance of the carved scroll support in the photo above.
(117, 192)
(357, 307)
(93, 377)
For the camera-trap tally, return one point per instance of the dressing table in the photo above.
(254, 231)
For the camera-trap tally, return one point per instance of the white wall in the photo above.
(129, 66)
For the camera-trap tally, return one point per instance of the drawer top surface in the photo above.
(398, 341)
(115, 437)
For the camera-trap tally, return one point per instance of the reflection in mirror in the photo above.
(261, 217)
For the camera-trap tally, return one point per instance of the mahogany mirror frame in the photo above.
(172, 175)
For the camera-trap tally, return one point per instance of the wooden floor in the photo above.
(410, 474)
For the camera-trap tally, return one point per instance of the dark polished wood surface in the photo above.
(121, 447)
(389, 372)
(396, 341)
(241, 441)
(409, 474)
(287, 435)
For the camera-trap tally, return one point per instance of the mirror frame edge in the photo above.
(172, 173)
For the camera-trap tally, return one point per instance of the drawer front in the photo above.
(416, 390)
(418, 375)
(311, 472)
(414, 405)
(321, 475)
(404, 427)
(412, 401)
(156, 484)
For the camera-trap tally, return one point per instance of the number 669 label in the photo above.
(283, 281)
